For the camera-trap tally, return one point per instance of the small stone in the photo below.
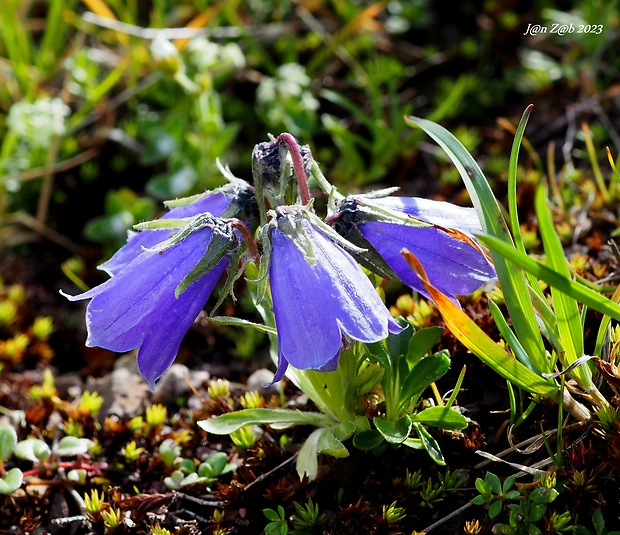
(261, 382)
(176, 382)
(124, 393)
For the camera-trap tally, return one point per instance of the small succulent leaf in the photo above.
(494, 481)
(190, 479)
(32, 449)
(217, 461)
(229, 422)
(175, 479)
(206, 470)
(495, 509)
(71, 446)
(483, 487)
(430, 444)
(512, 495)
(77, 476)
(414, 443)
(8, 439)
(479, 500)
(443, 417)
(11, 481)
(368, 440)
(543, 495)
(395, 432)
(509, 482)
(537, 512)
(270, 514)
(421, 342)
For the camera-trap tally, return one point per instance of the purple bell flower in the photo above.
(138, 307)
(321, 297)
(442, 240)
(231, 198)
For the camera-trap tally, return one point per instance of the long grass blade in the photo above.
(479, 343)
(566, 308)
(511, 279)
(571, 288)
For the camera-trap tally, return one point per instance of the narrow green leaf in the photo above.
(511, 280)
(239, 322)
(479, 343)
(511, 338)
(229, 422)
(430, 444)
(566, 307)
(566, 285)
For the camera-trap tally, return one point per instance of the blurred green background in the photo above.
(108, 107)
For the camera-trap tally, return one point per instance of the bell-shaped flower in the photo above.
(227, 201)
(152, 302)
(321, 296)
(439, 234)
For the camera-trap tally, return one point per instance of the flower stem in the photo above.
(298, 166)
(248, 238)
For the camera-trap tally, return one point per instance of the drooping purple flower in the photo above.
(227, 200)
(139, 308)
(321, 297)
(439, 234)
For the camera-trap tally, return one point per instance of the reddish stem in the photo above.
(298, 166)
(247, 236)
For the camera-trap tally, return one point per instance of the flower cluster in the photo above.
(321, 298)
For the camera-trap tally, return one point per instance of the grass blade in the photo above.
(511, 279)
(479, 343)
(566, 285)
(566, 308)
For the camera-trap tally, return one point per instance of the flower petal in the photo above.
(215, 203)
(138, 308)
(317, 303)
(453, 266)
(440, 213)
(359, 309)
(308, 333)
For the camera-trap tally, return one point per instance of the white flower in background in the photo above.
(209, 56)
(285, 100)
(38, 122)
